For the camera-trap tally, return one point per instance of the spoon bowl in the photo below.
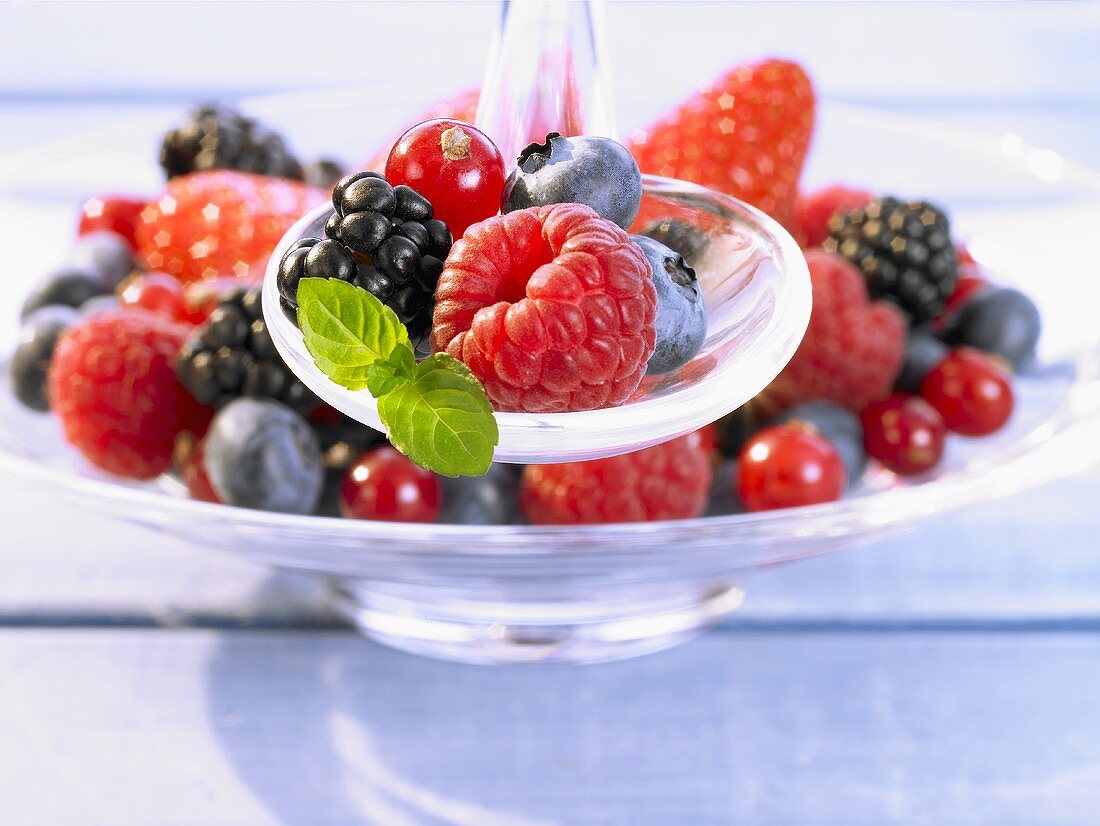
(757, 291)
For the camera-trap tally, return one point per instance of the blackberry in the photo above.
(903, 249)
(381, 238)
(231, 355)
(219, 137)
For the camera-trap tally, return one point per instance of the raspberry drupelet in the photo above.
(552, 308)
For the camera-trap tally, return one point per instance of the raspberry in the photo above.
(745, 134)
(113, 385)
(853, 348)
(552, 308)
(211, 224)
(813, 211)
(667, 481)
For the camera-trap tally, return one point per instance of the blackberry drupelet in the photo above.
(381, 238)
(231, 355)
(218, 137)
(903, 249)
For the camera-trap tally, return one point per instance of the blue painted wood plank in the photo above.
(133, 727)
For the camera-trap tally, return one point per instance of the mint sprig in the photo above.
(435, 412)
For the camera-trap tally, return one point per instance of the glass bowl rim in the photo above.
(1076, 421)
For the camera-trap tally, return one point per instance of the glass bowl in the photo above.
(518, 593)
(757, 291)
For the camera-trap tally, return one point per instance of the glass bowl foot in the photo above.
(489, 632)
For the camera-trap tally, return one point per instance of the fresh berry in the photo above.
(191, 466)
(839, 426)
(381, 238)
(383, 484)
(853, 347)
(903, 249)
(453, 165)
(681, 324)
(219, 137)
(667, 481)
(552, 308)
(158, 293)
(219, 223)
(100, 304)
(67, 287)
(968, 285)
(814, 210)
(923, 351)
(1002, 322)
(597, 172)
(106, 254)
(786, 466)
(324, 173)
(343, 440)
(904, 434)
(113, 384)
(492, 499)
(232, 355)
(111, 213)
(745, 134)
(461, 106)
(261, 454)
(734, 429)
(971, 391)
(31, 360)
(688, 240)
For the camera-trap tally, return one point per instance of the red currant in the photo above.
(115, 213)
(193, 473)
(971, 391)
(156, 292)
(786, 466)
(383, 484)
(453, 165)
(904, 433)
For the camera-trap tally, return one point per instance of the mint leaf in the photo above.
(346, 329)
(390, 373)
(441, 418)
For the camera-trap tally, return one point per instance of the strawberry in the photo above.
(219, 223)
(745, 134)
(853, 348)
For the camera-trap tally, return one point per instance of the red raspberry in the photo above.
(113, 385)
(667, 481)
(217, 223)
(552, 308)
(853, 348)
(114, 213)
(813, 211)
(745, 134)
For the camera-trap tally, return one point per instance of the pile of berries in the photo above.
(150, 346)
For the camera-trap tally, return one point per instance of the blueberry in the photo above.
(681, 313)
(261, 454)
(840, 426)
(491, 499)
(105, 254)
(31, 360)
(923, 351)
(100, 304)
(586, 170)
(688, 240)
(1002, 322)
(68, 287)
